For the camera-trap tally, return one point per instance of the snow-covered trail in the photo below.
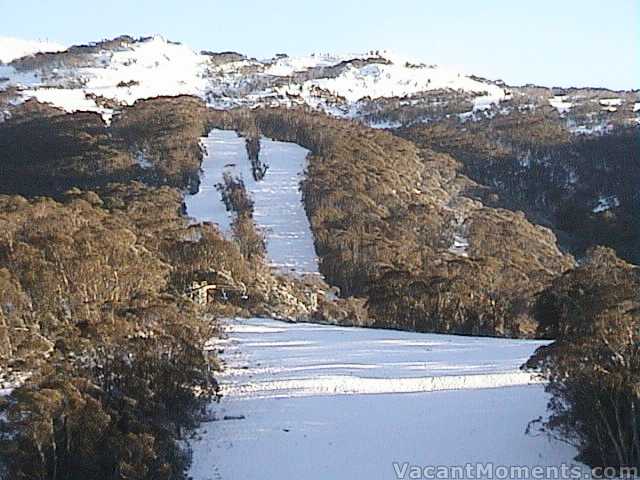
(278, 208)
(323, 402)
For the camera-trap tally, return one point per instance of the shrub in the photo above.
(593, 367)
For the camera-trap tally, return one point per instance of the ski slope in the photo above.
(278, 208)
(324, 402)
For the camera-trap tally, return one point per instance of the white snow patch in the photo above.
(13, 48)
(610, 102)
(9, 76)
(143, 69)
(353, 385)
(460, 246)
(384, 124)
(69, 100)
(283, 349)
(596, 129)
(150, 68)
(486, 101)
(560, 103)
(463, 117)
(12, 381)
(606, 203)
(286, 66)
(142, 160)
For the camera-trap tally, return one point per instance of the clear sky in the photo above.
(548, 42)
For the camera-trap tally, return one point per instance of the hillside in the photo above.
(378, 87)
(186, 236)
(454, 220)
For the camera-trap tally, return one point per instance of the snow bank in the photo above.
(306, 359)
(352, 385)
(148, 69)
(285, 66)
(142, 69)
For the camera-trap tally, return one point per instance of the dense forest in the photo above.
(583, 187)
(45, 151)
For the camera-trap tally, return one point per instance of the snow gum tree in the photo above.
(593, 367)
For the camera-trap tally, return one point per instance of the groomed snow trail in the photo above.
(321, 402)
(278, 208)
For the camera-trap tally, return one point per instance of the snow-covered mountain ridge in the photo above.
(101, 76)
(14, 48)
(132, 69)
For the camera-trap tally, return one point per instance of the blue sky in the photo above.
(559, 42)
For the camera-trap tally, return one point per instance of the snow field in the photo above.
(322, 402)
